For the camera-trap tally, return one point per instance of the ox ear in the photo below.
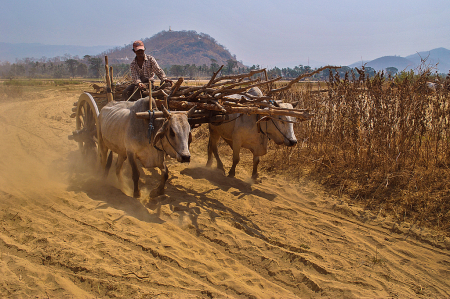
(190, 138)
(165, 112)
(161, 132)
(294, 104)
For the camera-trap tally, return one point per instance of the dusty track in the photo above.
(65, 233)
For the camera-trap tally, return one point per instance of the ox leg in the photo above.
(160, 189)
(135, 174)
(255, 167)
(108, 164)
(212, 149)
(119, 165)
(103, 153)
(236, 158)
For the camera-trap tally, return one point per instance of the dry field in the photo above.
(66, 233)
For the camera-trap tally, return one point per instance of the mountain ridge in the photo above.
(437, 59)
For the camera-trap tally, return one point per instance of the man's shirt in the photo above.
(149, 68)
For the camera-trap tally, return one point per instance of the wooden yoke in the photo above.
(109, 94)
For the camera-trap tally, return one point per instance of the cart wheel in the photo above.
(86, 125)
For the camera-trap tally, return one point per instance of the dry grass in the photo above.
(385, 142)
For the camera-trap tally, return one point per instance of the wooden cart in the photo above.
(212, 101)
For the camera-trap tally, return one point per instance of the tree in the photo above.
(176, 70)
(230, 65)
(214, 66)
(190, 70)
(72, 66)
(82, 70)
(369, 71)
(273, 73)
(95, 66)
(17, 70)
(391, 71)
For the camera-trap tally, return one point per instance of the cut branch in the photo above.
(300, 78)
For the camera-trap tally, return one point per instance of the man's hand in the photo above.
(169, 82)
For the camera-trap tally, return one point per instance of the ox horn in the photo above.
(191, 111)
(165, 112)
(264, 118)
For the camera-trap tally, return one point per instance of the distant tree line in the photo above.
(93, 67)
(59, 67)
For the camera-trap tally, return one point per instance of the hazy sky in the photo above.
(268, 33)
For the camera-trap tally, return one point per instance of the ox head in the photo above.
(280, 128)
(175, 135)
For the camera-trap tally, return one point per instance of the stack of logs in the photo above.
(212, 99)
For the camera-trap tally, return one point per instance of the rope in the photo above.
(151, 127)
(171, 146)
(225, 121)
(265, 133)
(162, 145)
(136, 89)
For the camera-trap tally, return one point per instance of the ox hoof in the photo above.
(156, 192)
(256, 180)
(137, 194)
(231, 175)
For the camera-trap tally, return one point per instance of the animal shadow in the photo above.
(217, 178)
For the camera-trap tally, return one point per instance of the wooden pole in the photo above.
(112, 76)
(267, 79)
(301, 115)
(109, 95)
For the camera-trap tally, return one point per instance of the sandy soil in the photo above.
(66, 233)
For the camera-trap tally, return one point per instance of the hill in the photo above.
(387, 61)
(177, 47)
(439, 57)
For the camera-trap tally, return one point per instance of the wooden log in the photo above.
(241, 90)
(176, 86)
(229, 88)
(211, 81)
(159, 114)
(301, 115)
(236, 77)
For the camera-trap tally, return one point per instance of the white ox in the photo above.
(244, 131)
(123, 133)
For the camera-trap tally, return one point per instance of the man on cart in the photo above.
(143, 69)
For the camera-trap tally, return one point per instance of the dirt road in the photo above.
(66, 233)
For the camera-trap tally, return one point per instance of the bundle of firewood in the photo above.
(215, 97)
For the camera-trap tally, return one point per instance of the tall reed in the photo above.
(384, 141)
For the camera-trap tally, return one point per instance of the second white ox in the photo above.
(244, 131)
(123, 133)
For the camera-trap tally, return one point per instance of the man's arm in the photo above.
(158, 70)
